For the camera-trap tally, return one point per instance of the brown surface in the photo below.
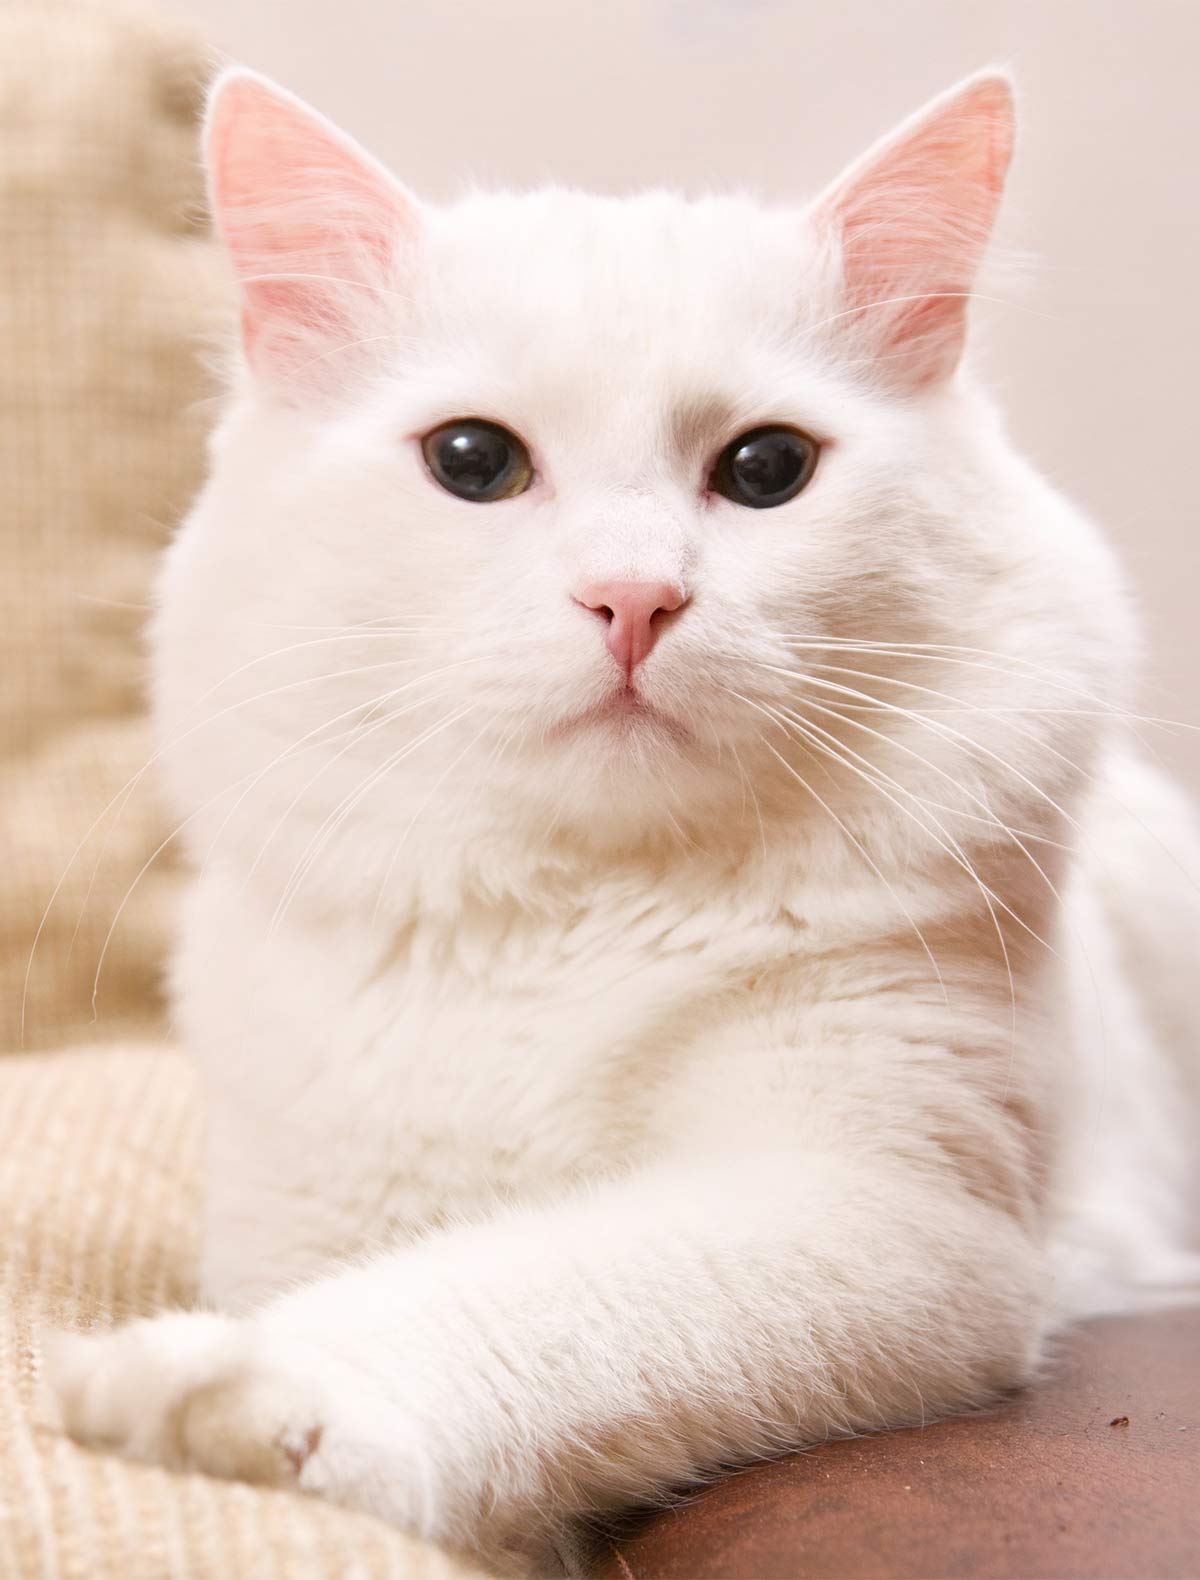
(1044, 1488)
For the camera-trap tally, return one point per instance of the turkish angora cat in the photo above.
(683, 956)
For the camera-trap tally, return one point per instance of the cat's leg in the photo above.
(272, 1217)
(295, 1154)
(489, 1384)
(259, 1239)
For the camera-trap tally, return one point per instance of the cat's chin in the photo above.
(623, 716)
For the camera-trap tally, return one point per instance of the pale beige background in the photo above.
(1097, 366)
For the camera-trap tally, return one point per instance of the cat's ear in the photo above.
(910, 222)
(319, 234)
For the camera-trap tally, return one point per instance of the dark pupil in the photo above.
(474, 459)
(768, 464)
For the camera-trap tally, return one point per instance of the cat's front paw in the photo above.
(199, 1392)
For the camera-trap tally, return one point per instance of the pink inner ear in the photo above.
(312, 223)
(914, 219)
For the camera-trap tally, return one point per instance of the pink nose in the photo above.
(630, 609)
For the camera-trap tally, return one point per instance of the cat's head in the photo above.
(622, 517)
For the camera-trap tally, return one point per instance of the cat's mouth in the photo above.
(623, 711)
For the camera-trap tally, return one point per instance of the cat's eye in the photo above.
(477, 460)
(765, 467)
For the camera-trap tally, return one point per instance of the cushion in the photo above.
(110, 291)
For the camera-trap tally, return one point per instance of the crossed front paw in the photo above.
(195, 1392)
(256, 1399)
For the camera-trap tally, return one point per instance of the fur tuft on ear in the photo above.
(911, 221)
(318, 231)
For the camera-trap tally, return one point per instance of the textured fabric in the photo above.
(110, 293)
(97, 1203)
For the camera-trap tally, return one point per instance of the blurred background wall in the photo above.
(1095, 355)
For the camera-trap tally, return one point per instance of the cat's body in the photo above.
(615, 1020)
(775, 1038)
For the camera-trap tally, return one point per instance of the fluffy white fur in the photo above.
(597, 1101)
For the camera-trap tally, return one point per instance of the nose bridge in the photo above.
(631, 535)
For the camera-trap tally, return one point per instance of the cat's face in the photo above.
(589, 499)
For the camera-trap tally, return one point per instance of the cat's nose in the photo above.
(631, 610)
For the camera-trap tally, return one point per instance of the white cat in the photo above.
(683, 956)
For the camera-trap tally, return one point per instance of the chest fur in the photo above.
(502, 1056)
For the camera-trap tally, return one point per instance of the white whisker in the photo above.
(947, 731)
(857, 844)
(312, 852)
(953, 849)
(353, 737)
(434, 788)
(285, 275)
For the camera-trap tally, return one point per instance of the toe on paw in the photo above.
(242, 1428)
(300, 1446)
